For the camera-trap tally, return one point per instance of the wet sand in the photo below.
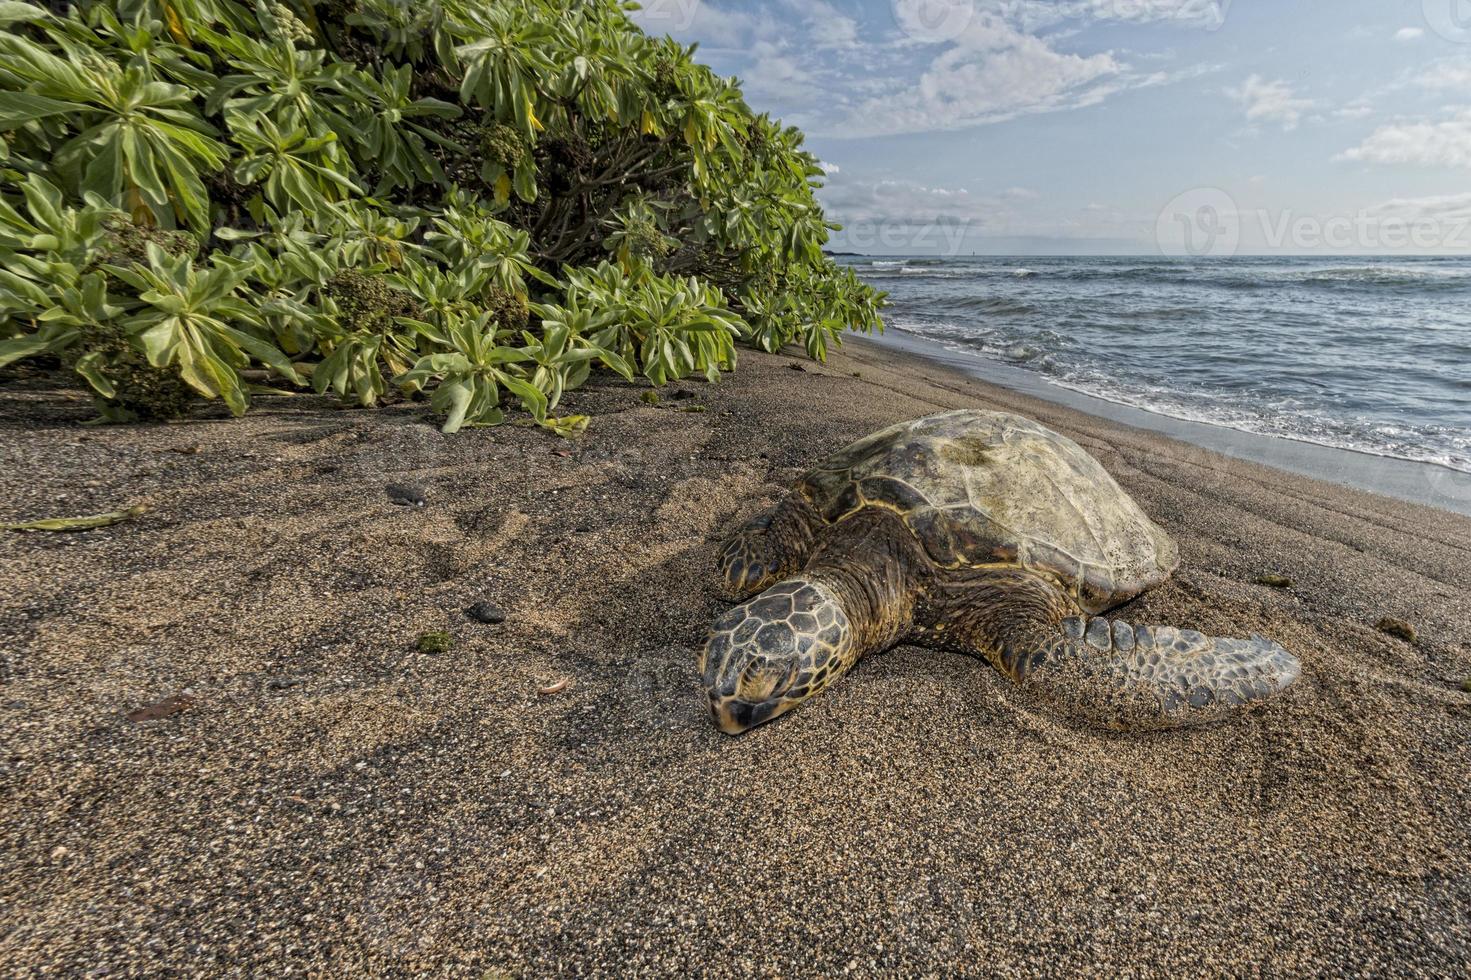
(331, 800)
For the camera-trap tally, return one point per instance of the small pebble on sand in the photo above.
(486, 612)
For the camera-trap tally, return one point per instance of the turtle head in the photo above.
(765, 657)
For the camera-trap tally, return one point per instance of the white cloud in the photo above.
(1354, 110)
(989, 72)
(951, 64)
(902, 203)
(815, 23)
(905, 215)
(1270, 102)
(1032, 14)
(1409, 34)
(829, 29)
(1447, 207)
(777, 75)
(1452, 74)
(1426, 224)
(717, 27)
(1443, 144)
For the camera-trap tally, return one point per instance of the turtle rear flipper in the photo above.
(1110, 673)
(1116, 675)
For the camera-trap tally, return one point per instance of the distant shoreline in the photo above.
(1403, 479)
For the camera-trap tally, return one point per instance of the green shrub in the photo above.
(468, 197)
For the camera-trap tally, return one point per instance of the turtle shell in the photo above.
(990, 488)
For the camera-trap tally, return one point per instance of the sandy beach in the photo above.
(324, 798)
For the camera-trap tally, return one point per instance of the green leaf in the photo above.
(14, 350)
(13, 12)
(567, 426)
(17, 108)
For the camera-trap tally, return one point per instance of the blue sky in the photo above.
(1126, 126)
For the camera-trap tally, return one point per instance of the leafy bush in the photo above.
(473, 198)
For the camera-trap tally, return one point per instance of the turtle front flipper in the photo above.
(1109, 674)
(769, 547)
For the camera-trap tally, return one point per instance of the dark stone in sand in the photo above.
(407, 494)
(681, 394)
(486, 612)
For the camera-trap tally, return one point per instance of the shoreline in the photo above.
(1414, 481)
(229, 751)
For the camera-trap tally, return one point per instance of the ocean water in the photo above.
(1367, 354)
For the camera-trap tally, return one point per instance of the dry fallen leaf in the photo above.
(161, 709)
(78, 523)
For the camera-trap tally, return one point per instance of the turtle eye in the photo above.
(761, 680)
(755, 683)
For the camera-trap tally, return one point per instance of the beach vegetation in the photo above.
(435, 643)
(483, 201)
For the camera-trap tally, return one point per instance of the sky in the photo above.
(1202, 127)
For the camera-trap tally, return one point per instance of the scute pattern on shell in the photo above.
(982, 488)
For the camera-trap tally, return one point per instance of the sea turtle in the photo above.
(978, 532)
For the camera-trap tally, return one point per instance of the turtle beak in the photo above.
(755, 695)
(734, 717)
